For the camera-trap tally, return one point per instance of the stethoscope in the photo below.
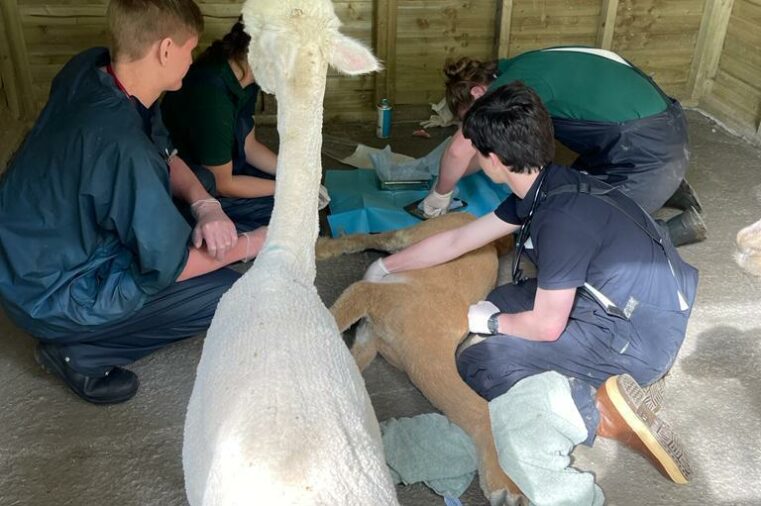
(523, 233)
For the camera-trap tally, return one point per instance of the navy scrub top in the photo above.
(88, 229)
(578, 239)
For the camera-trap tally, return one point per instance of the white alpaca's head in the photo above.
(280, 28)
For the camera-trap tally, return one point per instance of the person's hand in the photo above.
(436, 204)
(213, 227)
(324, 198)
(376, 272)
(478, 316)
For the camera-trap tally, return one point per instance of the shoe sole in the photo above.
(659, 438)
(49, 366)
(654, 395)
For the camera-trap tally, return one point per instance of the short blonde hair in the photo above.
(136, 24)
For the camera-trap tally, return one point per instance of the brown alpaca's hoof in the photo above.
(504, 498)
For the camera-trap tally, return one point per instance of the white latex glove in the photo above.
(442, 118)
(213, 227)
(478, 315)
(436, 204)
(324, 198)
(376, 272)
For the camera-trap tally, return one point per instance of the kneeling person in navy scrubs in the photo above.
(610, 303)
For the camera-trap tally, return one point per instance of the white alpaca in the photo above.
(279, 412)
(748, 254)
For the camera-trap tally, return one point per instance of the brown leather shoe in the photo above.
(625, 417)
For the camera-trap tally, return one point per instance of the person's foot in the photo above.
(625, 417)
(684, 198)
(686, 228)
(118, 385)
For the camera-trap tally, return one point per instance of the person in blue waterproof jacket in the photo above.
(624, 128)
(96, 262)
(609, 306)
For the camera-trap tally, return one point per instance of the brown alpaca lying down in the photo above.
(417, 320)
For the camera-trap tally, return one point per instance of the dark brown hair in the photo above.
(462, 75)
(233, 46)
(136, 24)
(512, 123)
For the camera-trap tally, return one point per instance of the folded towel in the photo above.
(431, 449)
(536, 426)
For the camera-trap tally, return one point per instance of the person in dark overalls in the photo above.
(610, 303)
(624, 128)
(211, 121)
(96, 262)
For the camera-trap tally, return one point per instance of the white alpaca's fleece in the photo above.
(279, 413)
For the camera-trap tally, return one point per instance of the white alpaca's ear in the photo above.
(351, 57)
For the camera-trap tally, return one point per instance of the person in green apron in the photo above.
(625, 129)
(211, 122)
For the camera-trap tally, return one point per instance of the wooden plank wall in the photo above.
(733, 87)
(430, 31)
(659, 36)
(678, 42)
(55, 30)
(545, 23)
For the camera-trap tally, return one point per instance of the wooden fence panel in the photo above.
(734, 95)
(430, 31)
(659, 37)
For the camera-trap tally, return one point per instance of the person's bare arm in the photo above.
(458, 159)
(184, 184)
(259, 155)
(546, 321)
(229, 185)
(213, 226)
(201, 262)
(448, 245)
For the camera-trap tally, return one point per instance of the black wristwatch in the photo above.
(492, 324)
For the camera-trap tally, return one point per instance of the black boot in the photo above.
(684, 198)
(118, 385)
(686, 228)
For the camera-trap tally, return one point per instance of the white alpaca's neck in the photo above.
(294, 224)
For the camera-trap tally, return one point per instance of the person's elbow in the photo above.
(551, 332)
(224, 186)
(461, 149)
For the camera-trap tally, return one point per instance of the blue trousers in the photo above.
(592, 348)
(183, 310)
(646, 158)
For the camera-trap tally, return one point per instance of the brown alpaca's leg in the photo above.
(437, 378)
(389, 241)
(351, 307)
(353, 304)
(365, 347)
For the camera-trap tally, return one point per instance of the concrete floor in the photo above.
(57, 450)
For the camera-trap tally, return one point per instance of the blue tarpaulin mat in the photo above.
(359, 206)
